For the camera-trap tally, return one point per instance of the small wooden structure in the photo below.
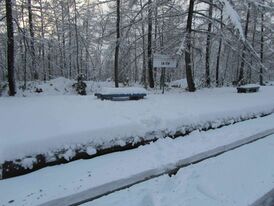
(119, 94)
(249, 88)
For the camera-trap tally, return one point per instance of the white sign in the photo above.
(164, 61)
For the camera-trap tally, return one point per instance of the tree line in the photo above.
(216, 42)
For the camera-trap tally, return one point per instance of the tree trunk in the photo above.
(43, 40)
(262, 48)
(155, 45)
(117, 46)
(70, 42)
(190, 82)
(241, 75)
(87, 52)
(24, 51)
(253, 45)
(149, 46)
(76, 38)
(219, 54)
(144, 71)
(32, 49)
(86, 25)
(58, 33)
(135, 58)
(208, 44)
(10, 44)
(49, 61)
(64, 65)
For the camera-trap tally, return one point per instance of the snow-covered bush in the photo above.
(80, 85)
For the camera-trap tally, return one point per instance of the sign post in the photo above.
(163, 79)
(164, 62)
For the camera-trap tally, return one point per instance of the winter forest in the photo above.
(215, 42)
(137, 102)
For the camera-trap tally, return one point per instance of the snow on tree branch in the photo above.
(230, 13)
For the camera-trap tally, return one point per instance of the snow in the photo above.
(125, 90)
(58, 86)
(181, 83)
(50, 124)
(271, 83)
(250, 170)
(68, 155)
(28, 162)
(230, 13)
(91, 151)
(63, 180)
(247, 86)
(181, 47)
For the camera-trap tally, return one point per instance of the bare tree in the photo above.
(10, 44)
(262, 47)
(241, 73)
(188, 40)
(32, 48)
(208, 45)
(219, 53)
(76, 38)
(149, 46)
(117, 44)
(66, 37)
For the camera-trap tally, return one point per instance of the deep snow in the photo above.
(44, 124)
(59, 181)
(126, 90)
(237, 178)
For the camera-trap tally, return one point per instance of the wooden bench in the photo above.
(121, 94)
(248, 89)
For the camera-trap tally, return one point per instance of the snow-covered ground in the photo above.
(46, 124)
(58, 86)
(63, 180)
(181, 83)
(126, 90)
(237, 178)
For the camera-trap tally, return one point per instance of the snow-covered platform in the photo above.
(38, 131)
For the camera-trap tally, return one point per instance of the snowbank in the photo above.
(58, 86)
(181, 83)
(79, 176)
(237, 178)
(60, 127)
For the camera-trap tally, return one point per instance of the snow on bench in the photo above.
(248, 88)
(128, 93)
